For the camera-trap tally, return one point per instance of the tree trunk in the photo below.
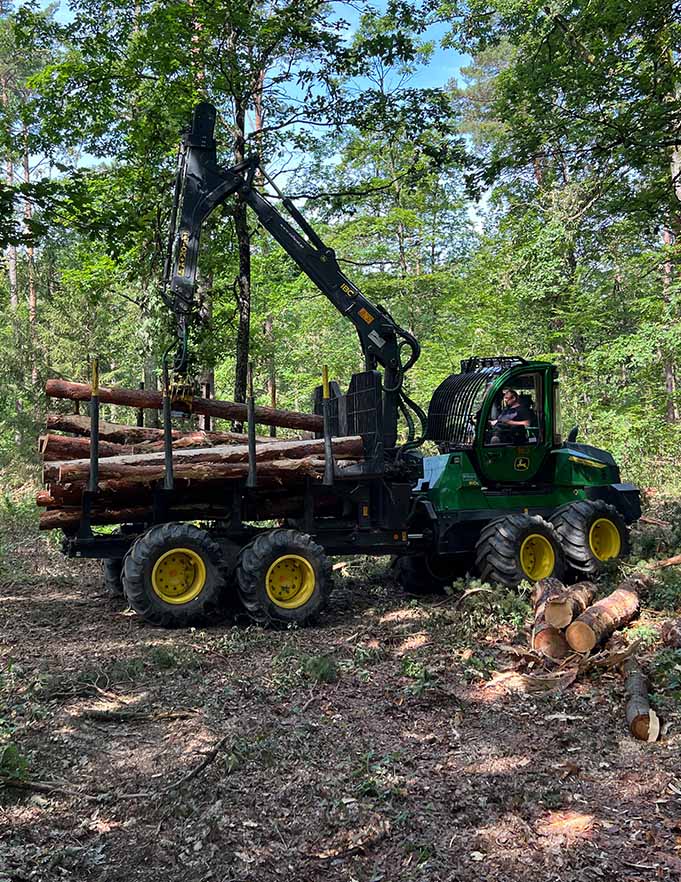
(151, 417)
(605, 616)
(30, 265)
(9, 174)
(563, 608)
(668, 363)
(226, 410)
(271, 375)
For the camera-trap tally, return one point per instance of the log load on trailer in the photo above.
(504, 495)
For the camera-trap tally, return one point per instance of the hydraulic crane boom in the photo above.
(201, 185)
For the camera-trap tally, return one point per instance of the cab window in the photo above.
(517, 421)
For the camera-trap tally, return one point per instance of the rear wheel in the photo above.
(519, 547)
(173, 575)
(284, 577)
(591, 533)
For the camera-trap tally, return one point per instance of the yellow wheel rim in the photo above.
(605, 541)
(537, 557)
(178, 575)
(290, 581)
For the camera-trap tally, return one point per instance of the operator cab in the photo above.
(468, 412)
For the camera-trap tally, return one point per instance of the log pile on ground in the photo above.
(132, 462)
(568, 627)
(547, 639)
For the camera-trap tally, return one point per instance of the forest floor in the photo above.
(381, 744)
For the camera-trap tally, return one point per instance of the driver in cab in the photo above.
(509, 427)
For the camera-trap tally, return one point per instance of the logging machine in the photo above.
(510, 502)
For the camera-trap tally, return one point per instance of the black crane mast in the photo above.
(201, 185)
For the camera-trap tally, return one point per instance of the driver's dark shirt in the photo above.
(514, 412)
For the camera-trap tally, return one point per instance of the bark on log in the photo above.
(545, 638)
(264, 508)
(225, 410)
(195, 501)
(121, 434)
(642, 720)
(58, 448)
(197, 463)
(605, 616)
(570, 603)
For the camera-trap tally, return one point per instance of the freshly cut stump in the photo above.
(570, 603)
(643, 722)
(605, 616)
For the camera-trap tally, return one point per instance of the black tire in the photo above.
(427, 573)
(591, 533)
(517, 548)
(112, 572)
(302, 580)
(174, 591)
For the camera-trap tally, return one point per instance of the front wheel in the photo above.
(173, 575)
(283, 577)
(591, 533)
(517, 548)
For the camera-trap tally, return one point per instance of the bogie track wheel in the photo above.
(173, 575)
(283, 577)
(517, 548)
(591, 533)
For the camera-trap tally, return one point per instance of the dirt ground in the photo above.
(375, 746)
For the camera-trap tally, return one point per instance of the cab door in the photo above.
(518, 458)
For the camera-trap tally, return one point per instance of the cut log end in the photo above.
(562, 608)
(581, 637)
(550, 642)
(558, 613)
(640, 726)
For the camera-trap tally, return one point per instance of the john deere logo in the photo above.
(521, 464)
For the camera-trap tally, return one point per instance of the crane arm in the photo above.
(201, 185)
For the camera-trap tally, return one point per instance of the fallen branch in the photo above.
(468, 593)
(643, 722)
(656, 522)
(205, 762)
(668, 562)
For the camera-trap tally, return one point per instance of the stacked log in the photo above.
(566, 605)
(132, 462)
(547, 639)
(224, 410)
(567, 623)
(603, 618)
